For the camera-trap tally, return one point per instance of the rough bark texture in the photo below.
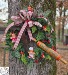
(17, 67)
(59, 26)
(14, 7)
(63, 23)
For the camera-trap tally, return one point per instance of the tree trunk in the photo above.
(14, 7)
(59, 30)
(59, 26)
(18, 68)
(63, 22)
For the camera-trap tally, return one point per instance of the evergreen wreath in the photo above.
(33, 26)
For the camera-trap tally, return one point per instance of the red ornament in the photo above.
(41, 16)
(13, 37)
(43, 56)
(44, 41)
(48, 41)
(36, 61)
(22, 52)
(54, 48)
(44, 27)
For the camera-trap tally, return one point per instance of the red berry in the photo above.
(43, 56)
(44, 41)
(54, 48)
(48, 41)
(44, 27)
(36, 61)
(21, 52)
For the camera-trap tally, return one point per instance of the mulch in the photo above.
(62, 69)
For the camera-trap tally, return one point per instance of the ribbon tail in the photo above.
(6, 30)
(13, 18)
(17, 20)
(21, 16)
(30, 34)
(19, 35)
(37, 24)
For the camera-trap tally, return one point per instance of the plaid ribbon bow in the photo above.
(24, 16)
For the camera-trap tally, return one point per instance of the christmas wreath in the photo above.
(34, 26)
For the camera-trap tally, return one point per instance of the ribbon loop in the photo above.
(17, 20)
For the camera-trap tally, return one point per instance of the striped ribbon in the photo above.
(19, 35)
(26, 17)
(37, 24)
(30, 34)
(6, 30)
(30, 23)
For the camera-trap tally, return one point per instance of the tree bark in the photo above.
(14, 7)
(59, 26)
(16, 67)
(63, 23)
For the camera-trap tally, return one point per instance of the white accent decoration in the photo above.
(4, 70)
(31, 48)
(30, 23)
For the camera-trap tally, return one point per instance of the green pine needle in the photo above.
(34, 29)
(24, 59)
(40, 36)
